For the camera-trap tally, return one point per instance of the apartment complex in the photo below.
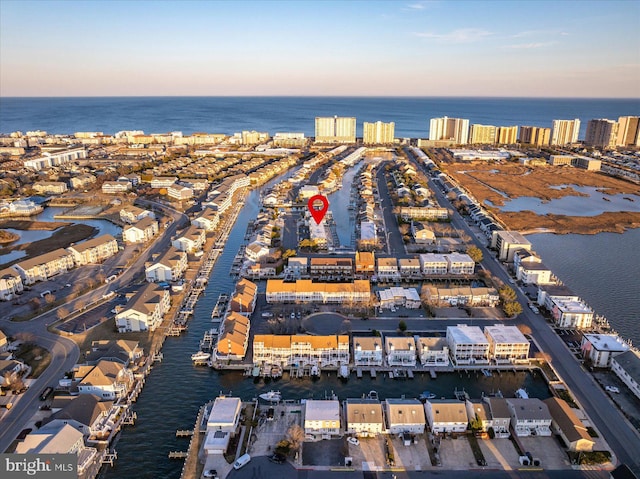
(628, 131)
(482, 134)
(94, 251)
(305, 291)
(565, 132)
(535, 135)
(602, 133)
(335, 129)
(301, 350)
(378, 133)
(234, 337)
(507, 135)
(145, 310)
(454, 129)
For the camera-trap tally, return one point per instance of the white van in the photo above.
(242, 461)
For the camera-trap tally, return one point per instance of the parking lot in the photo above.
(414, 457)
(499, 454)
(548, 450)
(270, 432)
(456, 454)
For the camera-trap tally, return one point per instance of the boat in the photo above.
(343, 372)
(522, 394)
(486, 372)
(424, 395)
(315, 371)
(271, 396)
(200, 356)
(372, 395)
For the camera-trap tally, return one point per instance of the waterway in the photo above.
(176, 389)
(339, 205)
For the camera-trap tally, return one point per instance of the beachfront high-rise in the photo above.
(482, 134)
(454, 129)
(628, 131)
(601, 132)
(378, 133)
(507, 135)
(535, 135)
(565, 132)
(335, 129)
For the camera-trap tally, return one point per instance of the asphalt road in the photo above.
(618, 432)
(395, 244)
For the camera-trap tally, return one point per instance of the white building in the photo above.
(507, 344)
(222, 424)
(404, 416)
(460, 263)
(367, 351)
(179, 192)
(507, 243)
(401, 351)
(363, 417)
(10, 284)
(399, 297)
(168, 267)
(446, 415)
(627, 367)
(145, 310)
(454, 129)
(433, 263)
(571, 313)
(45, 266)
(468, 345)
(132, 214)
(141, 232)
(529, 417)
(94, 251)
(600, 349)
(191, 240)
(322, 418)
(433, 351)
(109, 380)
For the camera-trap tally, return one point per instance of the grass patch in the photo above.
(107, 331)
(35, 356)
(592, 432)
(566, 395)
(590, 458)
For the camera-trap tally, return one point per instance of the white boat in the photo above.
(427, 395)
(200, 356)
(372, 395)
(343, 372)
(271, 396)
(522, 394)
(315, 371)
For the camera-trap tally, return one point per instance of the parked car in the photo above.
(211, 473)
(612, 389)
(353, 440)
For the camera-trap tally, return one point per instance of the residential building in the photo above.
(446, 416)
(322, 418)
(410, 268)
(628, 131)
(507, 345)
(234, 337)
(627, 367)
(460, 263)
(305, 291)
(301, 350)
(256, 250)
(225, 415)
(297, 267)
(367, 351)
(289, 140)
(387, 269)
(49, 187)
(335, 130)
(10, 370)
(454, 129)
(45, 266)
(401, 351)
(365, 264)
(208, 220)
(169, 266)
(179, 192)
(468, 345)
(399, 297)
(548, 293)
(141, 232)
(500, 416)
(586, 163)
(535, 135)
(404, 416)
(363, 417)
(368, 234)
(145, 310)
(94, 251)
(109, 380)
(434, 264)
(423, 213)
(530, 269)
(565, 132)
(191, 240)
(162, 181)
(571, 313)
(421, 233)
(243, 299)
(55, 158)
(433, 351)
(482, 134)
(132, 214)
(600, 349)
(114, 187)
(507, 135)
(10, 284)
(507, 243)
(120, 350)
(465, 295)
(529, 417)
(566, 424)
(601, 133)
(479, 414)
(331, 268)
(378, 133)
(87, 413)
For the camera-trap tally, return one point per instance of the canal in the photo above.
(339, 206)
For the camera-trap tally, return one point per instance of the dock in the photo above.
(373, 373)
(177, 455)
(432, 372)
(184, 433)
(221, 306)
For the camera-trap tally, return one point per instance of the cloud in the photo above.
(462, 35)
(529, 33)
(529, 46)
(420, 5)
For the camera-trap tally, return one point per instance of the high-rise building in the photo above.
(482, 134)
(628, 131)
(565, 132)
(454, 129)
(535, 135)
(378, 133)
(335, 129)
(507, 135)
(601, 132)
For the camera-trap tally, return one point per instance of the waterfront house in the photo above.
(222, 424)
(433, 351)
(132, 214)
(145, 310)
(297, 267)
(260, 270)
(121, 350)
(141, 232)
(367, 351)
(322, 419)
(365, 264)
(305, 291)
(627, 367)
(529, 417)
(507, 243)
(600, 349)
(59, 439)
(446, 415)
(233, 338)
(94, 251)
(507, 345)
(94, 418)
(45, 266)
(363, 417)
(460, 263)
(571, 313)
(331, 269)
(109, 380)
(243, 299)
(168, 267)
(404, 416)
(191, 240)
(387, 269)
(10, 284)
(410, 268)
(208, 220)
(256, 250)
(500, 416)
(479, 414)
(468, 345)
(530, 269)
(433, 264)
(301, 350)
(401, 351)
(566, 424)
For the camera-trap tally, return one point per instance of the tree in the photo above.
(512, 308)
(402, 326)
(524, 329)
(62, 312)
(475, 253)
(295, 435)
(289, 253)
(507, 294)
(50, 298)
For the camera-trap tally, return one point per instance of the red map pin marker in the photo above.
(318, 206)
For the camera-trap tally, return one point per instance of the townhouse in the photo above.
(468, 345)
(243, 299)
(301, 350)
(401, 351)
(234, 337)
(140, 232)
(500, 416)
(208, 220)
(367, 351)
(365, 264)
(169, 266)
(387, 269)
(410, 268)
(404, 416)
(433, 264)
(297, 267)
(529, 417)
(433, 351)
(87, 413)
(469, 296)
(145, 310)
(322, 419)
(94, 251)
(109, 380)
(460, 263)
(400, 297)
(45, 266)
(363, 417)
(479, 414)
(446, 415)
(423, 213)
(304, 291)
(507, 345)
(331, 268)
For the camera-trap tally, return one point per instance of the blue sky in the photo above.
(364, 48)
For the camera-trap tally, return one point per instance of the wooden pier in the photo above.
(178, 455)
(184, 432)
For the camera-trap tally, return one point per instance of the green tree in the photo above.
(475, 253)
(402, 326)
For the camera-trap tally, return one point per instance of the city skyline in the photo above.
(500, 49)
